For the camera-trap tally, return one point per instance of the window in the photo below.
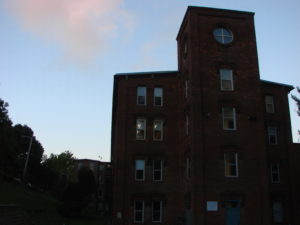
(157, 130)
(157, 170)
(231, 164)
(275, 175)
(157, 211)
(140, 170)
(277, 212)
(140, 129)
(226, 80)
(141, 95)
(272, 135)
(223, 35)
(269, 100)
(158, 96)
(139, 211)
(229, 122)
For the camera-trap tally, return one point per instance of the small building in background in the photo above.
(102, 173)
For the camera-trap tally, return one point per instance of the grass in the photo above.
(42, 208)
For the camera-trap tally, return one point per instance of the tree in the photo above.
(7, 141)
(77, 195)
(297, 100)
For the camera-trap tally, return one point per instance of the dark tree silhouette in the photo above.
(297, 100)
(77, 196)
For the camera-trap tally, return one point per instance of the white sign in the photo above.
(212, 206)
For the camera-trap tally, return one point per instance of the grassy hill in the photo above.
(41, 208)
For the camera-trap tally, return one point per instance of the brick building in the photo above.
(208, 144)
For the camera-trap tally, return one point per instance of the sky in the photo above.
(58, 59)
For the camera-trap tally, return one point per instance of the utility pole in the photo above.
(27, 158)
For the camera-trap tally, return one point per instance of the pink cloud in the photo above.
(82, 27)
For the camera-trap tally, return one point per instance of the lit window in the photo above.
(269, 100)
(157, 211)
(139, 211)
(140, 170)
(275, 175)
(158, 96)
(157, 170)
(231, 164)
(277, 212)
(229, 122)
(140, 129)
(272, 135)
(226, 80)
(141, 95)
(223, 36)
(157, 130)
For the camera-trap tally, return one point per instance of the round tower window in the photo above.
(223, 35)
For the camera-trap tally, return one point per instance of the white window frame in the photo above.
(269, 102)
(144, 121)
(156, 129)
(158, 95)
(275, 169)
(138, 211)
(229, 164)
(160, 170)
(136, 169)
(141, 89)
(232, 117)
(272, 132)
(222, 78)
(221, 36)
(160, 212)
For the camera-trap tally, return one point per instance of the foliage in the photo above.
(77, 196)
(14, 142)
(42, 207)
(297, 100)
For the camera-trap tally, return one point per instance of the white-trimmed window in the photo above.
(269, 101)
(229, 118)
(223, 35)
(158, 130)
(277, 212)
(272, 135)
(158, 96)
(140, 129)
(139, 207)
(275, 174)
(231, 164)
(158, 170)
(226, 79)
(141, 95)
(157, 211)
(139, 170)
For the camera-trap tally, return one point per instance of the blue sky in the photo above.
(58, 58)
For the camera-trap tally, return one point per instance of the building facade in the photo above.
(208, 144)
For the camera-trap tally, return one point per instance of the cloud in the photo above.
(83, 28)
